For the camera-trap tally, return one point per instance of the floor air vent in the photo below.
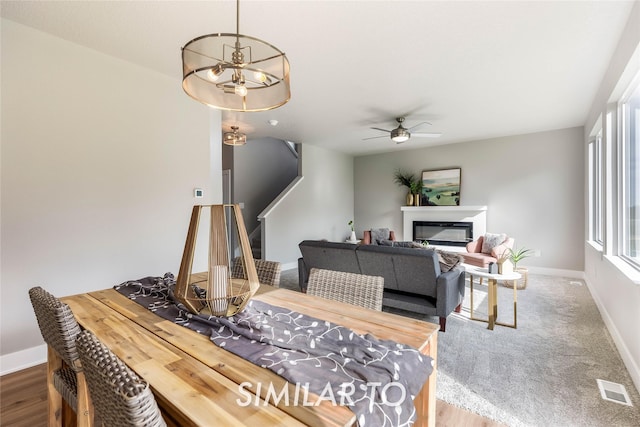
(614, 392)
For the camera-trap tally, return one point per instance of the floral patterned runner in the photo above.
(377, 379)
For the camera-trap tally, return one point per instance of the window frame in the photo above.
(596, 188)
(629, 166)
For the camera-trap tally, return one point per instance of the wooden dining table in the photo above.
(197, 383)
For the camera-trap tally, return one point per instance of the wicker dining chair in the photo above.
(120, 397)
(358, 289)
(65, 377)
(268, 271)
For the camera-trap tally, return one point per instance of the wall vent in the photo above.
(614, 392)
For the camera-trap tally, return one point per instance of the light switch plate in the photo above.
(198, 193)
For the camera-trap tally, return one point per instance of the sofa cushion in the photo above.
(417, 271)
(491, 240)
(373, 262)
(336, 256)
(479, 260)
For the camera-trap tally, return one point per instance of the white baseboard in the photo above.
(625, 354)
(23, 359)
(572, 274)
(289, 266)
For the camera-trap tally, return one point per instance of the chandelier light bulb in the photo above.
(260, 76)
(214, 73)
(240, 90)
(212, 76)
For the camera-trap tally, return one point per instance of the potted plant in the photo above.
(416, 190)
(516, 255)
(352, 238)
(405, 179)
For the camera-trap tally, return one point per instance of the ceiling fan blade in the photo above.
(419, 124)
(426, 135)
(376, 137)
(383, 130)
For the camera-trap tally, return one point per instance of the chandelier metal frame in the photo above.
(235, 72)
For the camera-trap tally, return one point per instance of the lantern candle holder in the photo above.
(216, 292)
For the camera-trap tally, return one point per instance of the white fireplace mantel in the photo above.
(475, 214)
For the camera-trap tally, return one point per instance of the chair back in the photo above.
(268, 271)
(120, 397)
(57, 325)
(369, 239)
(358, 289)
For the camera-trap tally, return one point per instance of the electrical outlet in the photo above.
(198, 193)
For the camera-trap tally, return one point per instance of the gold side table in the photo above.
(492, 284)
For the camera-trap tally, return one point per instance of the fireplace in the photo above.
(477, 215)
(446, 233)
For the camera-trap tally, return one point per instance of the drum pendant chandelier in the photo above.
(235, 72)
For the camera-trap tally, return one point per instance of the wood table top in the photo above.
(197, 382)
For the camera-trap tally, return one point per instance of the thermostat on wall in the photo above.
(198, 193)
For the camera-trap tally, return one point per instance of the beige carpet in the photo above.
(541, 374)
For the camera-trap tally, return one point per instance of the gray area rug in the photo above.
(541, 374)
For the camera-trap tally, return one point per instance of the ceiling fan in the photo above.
(402, 134)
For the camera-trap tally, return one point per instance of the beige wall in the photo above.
(99, 161)
(531, 184)
(319, 205)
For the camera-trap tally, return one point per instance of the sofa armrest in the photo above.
(449, 291)
(303, 278)
(475, 246)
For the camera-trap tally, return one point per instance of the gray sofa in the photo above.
(413, 279)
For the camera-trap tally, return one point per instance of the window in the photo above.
(596, 185)
(630, 185)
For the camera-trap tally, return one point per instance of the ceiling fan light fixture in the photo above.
(400, 134)
(234, 137)
(235, 72)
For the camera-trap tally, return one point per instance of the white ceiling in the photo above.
(475, 69)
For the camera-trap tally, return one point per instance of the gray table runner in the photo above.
(377, 379)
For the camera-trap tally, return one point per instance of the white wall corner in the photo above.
(23, 359)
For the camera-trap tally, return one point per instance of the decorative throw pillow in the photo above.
(448, 260)
(491, 240)
(379, 234)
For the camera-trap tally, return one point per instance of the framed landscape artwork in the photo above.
(441, 187)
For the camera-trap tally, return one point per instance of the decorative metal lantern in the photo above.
(216, 291)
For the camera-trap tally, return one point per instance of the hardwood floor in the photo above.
(23, 397)
(23, 401)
